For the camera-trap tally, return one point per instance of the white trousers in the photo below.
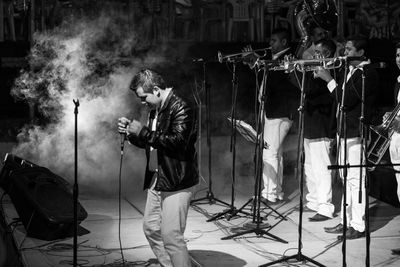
(355, 211)
(394, 150)
(164, 223)
(318, 177)
(275, 131)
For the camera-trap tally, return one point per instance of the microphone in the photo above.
(123, 135)
(197, 60)
(204, 60)
(377, 65)
(360, 58)
(123, 138)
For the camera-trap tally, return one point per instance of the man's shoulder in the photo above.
(370, 70)
(180, 101)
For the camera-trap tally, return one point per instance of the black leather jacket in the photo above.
(174, 139)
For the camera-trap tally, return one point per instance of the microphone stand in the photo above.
(123, 138)
(363, 155)
(256, 225)
(300, 257)
(75, 188)
(232, 210)
(342, 125)
(210, 195)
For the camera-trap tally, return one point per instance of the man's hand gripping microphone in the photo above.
(123, 124)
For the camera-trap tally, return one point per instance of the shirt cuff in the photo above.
(332, 85)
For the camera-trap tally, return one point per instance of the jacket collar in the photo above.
(166, 102)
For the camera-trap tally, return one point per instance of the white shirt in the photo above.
(332, 84)
(153, 152)
(398, 94)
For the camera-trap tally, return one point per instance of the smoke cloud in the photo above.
(91, 60)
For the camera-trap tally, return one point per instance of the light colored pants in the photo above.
(275, 131)
(394, 150)
(355, 211)
(164, 223)
(318, 177)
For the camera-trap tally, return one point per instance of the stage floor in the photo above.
(100, 246)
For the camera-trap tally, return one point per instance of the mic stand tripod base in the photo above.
(228, 214)
(257, 229)
(253, 225)
(210, 199)
(298, 257)
(273, 210)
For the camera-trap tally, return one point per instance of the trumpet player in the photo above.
(281, 101)
(394, 148)
(355, 49)
(319, 130)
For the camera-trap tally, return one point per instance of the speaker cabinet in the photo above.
(44, 202)
(12, 163)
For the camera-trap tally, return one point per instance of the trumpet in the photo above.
(238, 56)
(289, 64)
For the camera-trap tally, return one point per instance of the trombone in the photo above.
(239, 56)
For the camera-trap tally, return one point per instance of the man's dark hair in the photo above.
(398, 45)
(359, 42)
(147, 79)
(283, 33)
(328, 44)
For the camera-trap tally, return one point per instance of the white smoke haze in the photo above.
(89, 60)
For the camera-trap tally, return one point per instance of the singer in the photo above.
(171, 169)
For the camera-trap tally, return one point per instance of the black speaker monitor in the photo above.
(11, 163)
(44, 202)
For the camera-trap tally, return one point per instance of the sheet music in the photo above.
(247, 131)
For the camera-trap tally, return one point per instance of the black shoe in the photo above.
(318, 218)
(266, 201)
(396, 251)
(352, 233)
(335, 229)
(305, 209)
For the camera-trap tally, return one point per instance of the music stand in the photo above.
(257, 137)
(248, 133)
